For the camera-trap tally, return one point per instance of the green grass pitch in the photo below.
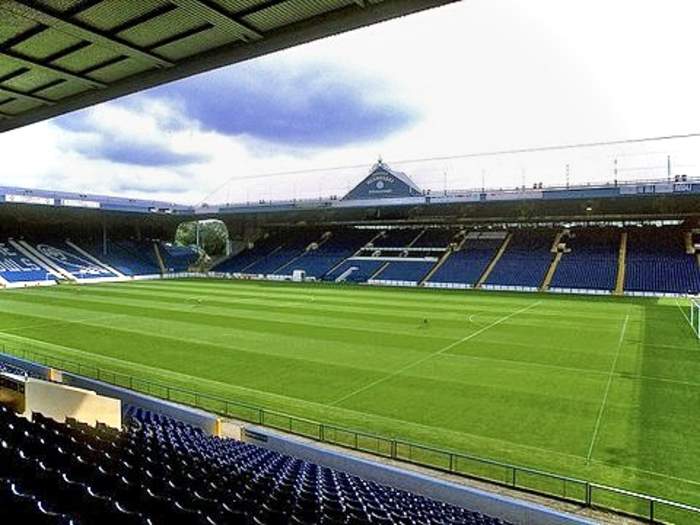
(607, 389)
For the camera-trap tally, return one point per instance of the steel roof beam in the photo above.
(79, 30)
(215, 15)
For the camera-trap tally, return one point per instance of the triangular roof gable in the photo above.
(384, 183)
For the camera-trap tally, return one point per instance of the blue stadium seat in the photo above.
(657, 262)
(177, 258)
(66, 257)
(592, 262)
(127, 256)
(410, 271)
(15, 267)
(525, 261)
(363, 269)
(343, 243)
(468, 264)
(158, 470)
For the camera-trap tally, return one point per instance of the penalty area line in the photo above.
(611, 375)
(433, 354)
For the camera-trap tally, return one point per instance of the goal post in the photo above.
(694, 314)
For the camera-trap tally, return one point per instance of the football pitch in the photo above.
(600, 388)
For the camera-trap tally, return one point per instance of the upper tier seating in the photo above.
(468, 264)
(410, 271)
(397, 238)
(342, 244)
(16, 267)
(435, 238)
(525, 261)
(162, 471)
(67, 258)
(177, 258)
(592, 262)
(128, 257)
(294, 245)
(365, 269)
(657, 262)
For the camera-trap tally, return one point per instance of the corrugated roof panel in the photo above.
(86, 58)
(289, 12)
(30, 80)
(61, 6)
(194, 44)
(122, 69)
(111, 14)
(17, 106)
(234, 6)
(161, 28)
(45, 44)
(62, 90)
(12, 25)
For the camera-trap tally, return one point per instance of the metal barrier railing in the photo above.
(569, 489)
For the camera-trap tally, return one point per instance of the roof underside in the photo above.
(57, 56)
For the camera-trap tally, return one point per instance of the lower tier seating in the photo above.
(128, 257)
(293, 246)
(158, 470)
(657, 262)
(525, 261)
(177, 258)
(355, 271)
(64, 256)
(591, 262)
(409, 271)
(16, 267)
(468, 264)
(343, 243)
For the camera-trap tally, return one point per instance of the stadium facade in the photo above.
(625, 238)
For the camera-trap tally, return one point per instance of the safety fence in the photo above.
(569, 489)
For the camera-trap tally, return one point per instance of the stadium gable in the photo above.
(384, 183)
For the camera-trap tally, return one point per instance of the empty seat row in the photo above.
(158, 470)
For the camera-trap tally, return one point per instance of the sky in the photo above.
(475, 76)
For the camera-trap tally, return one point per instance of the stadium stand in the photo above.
(293, 246)
(355, 270)
(341, 244)
(466, 265)
(177, 258)
(260, 249)
(15, 267)
(66, 259)
(525, 261)
(590, 260)
(406, 271)
(131, 258)
(435, 238)
(158, 468)
(398, 238)
(657, 262)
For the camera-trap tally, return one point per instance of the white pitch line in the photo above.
(611, 375)
(436, 353)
